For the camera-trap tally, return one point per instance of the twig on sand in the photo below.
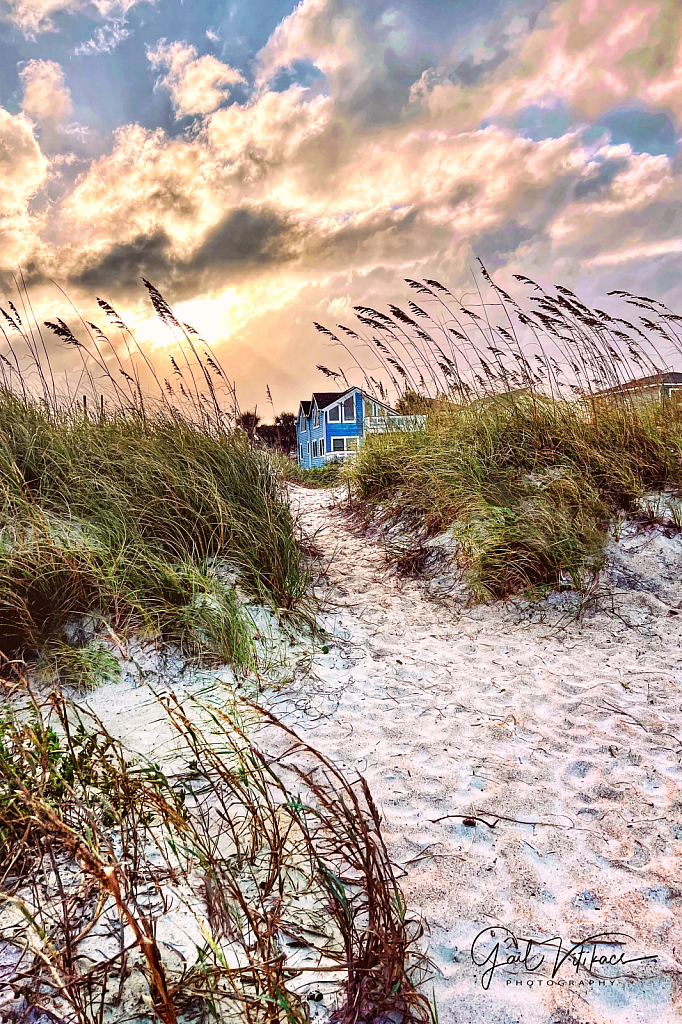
(470, 819)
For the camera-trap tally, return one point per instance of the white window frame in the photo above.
(334, 408)
(321, 446)
(300, 448)
(308, 447)
(316, 417)
(314, 449)
(343, 410)
(345, 450)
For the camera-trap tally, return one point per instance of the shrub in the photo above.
(143, 522)
(528, 485)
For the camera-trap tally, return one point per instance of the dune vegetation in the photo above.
(204, 878)
(533, 439)
(529, 486)
(142, 524)
(223, 889)
(133, 512)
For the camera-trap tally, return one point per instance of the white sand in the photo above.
(502, 710)
(449, 710)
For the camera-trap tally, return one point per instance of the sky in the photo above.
(267, 165)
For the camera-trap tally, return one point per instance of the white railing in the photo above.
(382, 424)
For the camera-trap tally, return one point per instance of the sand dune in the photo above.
(528, 768)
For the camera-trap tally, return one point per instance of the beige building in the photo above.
(663, 387)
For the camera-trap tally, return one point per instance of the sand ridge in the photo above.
(484, 714)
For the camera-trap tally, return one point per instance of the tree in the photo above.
(248, 421)
(281, 434)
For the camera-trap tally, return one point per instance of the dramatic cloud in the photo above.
(197, 84)
(23, 170)
(369, 57)
(589, 54)
(366, 152)
(322, 31)
(33, 16)
(46, 96)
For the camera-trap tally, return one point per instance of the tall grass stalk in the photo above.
(277, 857)
(528, 484)
(144, 510)
(554, 345)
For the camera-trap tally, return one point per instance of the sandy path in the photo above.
(455, 711)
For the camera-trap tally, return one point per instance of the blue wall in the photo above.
(346, 429)
(325, 430)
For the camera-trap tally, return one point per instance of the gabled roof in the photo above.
(325, 398)
(664, 377)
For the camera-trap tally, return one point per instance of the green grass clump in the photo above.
(329, 475)
(528, 484)
(277, 858)
(144, 523)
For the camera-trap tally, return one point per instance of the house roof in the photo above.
(325, 398)
(663, 377)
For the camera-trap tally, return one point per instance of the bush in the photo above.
(143, 522)
(528, 484)
(329, 475)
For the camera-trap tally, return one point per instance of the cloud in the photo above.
(317, 30)
(243, 238)
(271, 183)
(590, 54)
(46, 95)
(23, 170)
(35, 16)
(369, 54)
(197, 85)
(106, 37)
(270, 207)
(640, 252)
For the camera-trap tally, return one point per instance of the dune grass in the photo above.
(144, 523)
(528, 484)
(536, 437)
(128, 514)
(280, 863)
(329, 475)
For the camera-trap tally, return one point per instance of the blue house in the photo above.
(331, 425)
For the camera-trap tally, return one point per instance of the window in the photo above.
(314, 449)
(322, 447)
(316, 417)
(344, 444)
(334, 414)
(349, 409)
(301, 450)
(308, 447)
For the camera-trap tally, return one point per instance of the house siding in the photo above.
(326, 431)
(345, 429)
(302, 439)
(316, 435)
